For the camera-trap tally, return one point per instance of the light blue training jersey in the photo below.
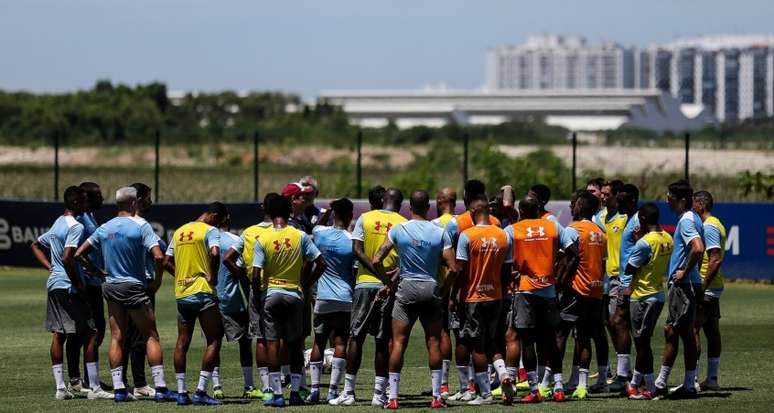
(689, 227)
(627, 244)
(89, 226)
(420, 245)
(123, 243)
(65, 233)
(338, 280)
(230, 295)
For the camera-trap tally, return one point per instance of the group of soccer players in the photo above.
(504, 280)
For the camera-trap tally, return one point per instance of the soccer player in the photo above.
(371, 313)
(683, 284)
(300, 197)
(542, 194)
(445, 202)
(535, 249)
(420, 245)
(93, 281)
(595, 187)
(626, 200)
(244, 249)
(122, 244)
(333, 306)
(193, 256)
(282, 256)
(581, 280)
(484, 259)
(708, 308)
(647, 265)
(68, 314)
(233, 290)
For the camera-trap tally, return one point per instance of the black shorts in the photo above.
(371, 316)
(236, 325)
(708, 308)
(97, 304)
(126, 294)
(417, 300)
(337, 322)
(534, 311)
(68, 313)
(481, 320)
(585, 313)
(284, 315)
(189, 308)
(682, 304)
(644, 316)
(257, 315)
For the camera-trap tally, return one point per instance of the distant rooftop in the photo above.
(719, 42)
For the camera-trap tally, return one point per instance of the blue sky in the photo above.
(306, 46)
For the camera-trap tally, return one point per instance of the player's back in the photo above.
(64, 233)
(249, 236)
(464, 221)
(535, 245)
(592, 246)
(335, 245)
(650, 276)
(614, 226)
(688, 228)
(123, 243)
(190, 245)
(419, 245)
(485, 248)
(283, 257)
(229, 290)
(372, 228)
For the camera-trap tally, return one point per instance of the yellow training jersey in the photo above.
(613, 230)
(190, 245)
(281, 252)
(372, 228)
(249, 236)
(651, 255)
(442, 221)
(714, 237)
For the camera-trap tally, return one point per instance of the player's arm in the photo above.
(68, 261)
(630, 271)
(357, 249)
(82, 256)
(309, 278)
(230, 262)
(379, 257)
(214, 265)
(568, 257)
(158, 268)
(697, 250)
(713, 265)
(40, 254)
(256, 281)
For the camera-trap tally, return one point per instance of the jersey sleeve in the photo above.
(149, 238)
(359, 233)
(259, 256)
(711, 237)
(462, 247)
(569, 237)
(509, 249)
(74, 234)
(212, 238)
(392, 233)
(239, 244)
(447, 242)
(171, 247)
(640, 254)
(96, 238)
(309, 249)
(43, 239)
(451, 229)
(597, 219)
(688, 230)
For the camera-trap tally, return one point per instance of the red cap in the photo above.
(294, 188)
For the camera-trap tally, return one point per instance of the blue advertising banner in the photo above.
(749, 248)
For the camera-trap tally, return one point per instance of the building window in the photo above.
(732, 85)
(685, 66)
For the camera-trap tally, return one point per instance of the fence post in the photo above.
(56, 164)
(574, 161)
(687, 150)
(359, 167)
(465, 144)
(255, 166)
(156, 167)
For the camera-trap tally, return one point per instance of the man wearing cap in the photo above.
(301, 197)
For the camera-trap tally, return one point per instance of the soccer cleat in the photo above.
(144, 391)
(99, 394)
(217, 393)
(643, 394)
(268, 395)
(631, 390)
(63, 394)
(343, 399)
(507, 390)
(580, 393)
(544, 391)
(314, 397)
(709, 385)
(472, 387)
(392, 405)
(183, 399)
(332, 394)
(163, 394)
(559, 396)
(304, 392)
(660, 393)
(379, 400)
(619, 384)
(465, 396)
(522, 385)
(481, 400)
(201, 398)
(252, 393)
(682, 392)
(296, 399)
(277, 401)
(77, 386)
(498, 392)
(599, 387)
(522, 375)
(444, 391)
(438, 403)
(531, 398)
(122, 395)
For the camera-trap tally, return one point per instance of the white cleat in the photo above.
(64, 394)
(465, 396)
(99, 394)
(145, 391)
(344, 399)
(379, 400)
(481, 400)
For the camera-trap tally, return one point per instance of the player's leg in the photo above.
(212, 326)
(712, 333)
(144, 319)
(339, 362)
(446, 356)
(72, 348)
(322, 334)
(429, 309)
(623, 345)
(186, 319)
(119, 320)
(359, 328)
(401, 331)
(382, 350)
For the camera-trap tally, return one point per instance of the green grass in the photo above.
(26, 383)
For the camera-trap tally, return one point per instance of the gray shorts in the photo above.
(284, 315)
(189, 308)
(417, 300)
(236, 325)
(585, 313)
(68, 313)
(337, 323)
(371, 316)
(534, 311)
(481, 320)
(682, 304)
(257, 315)
(615, 295)
(126, 294)
(644, 316)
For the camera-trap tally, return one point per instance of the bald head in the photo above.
(529, 208)
(419, 202)
(393, 198)
(446, 201)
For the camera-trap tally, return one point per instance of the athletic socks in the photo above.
(204, 380)
(216, 378)
(689, 382)
(349, 383)
(602, 374)
(118, 378)
(435, 381)
(263, 373)
(471, 372)
(573, 382)
(247, 376)
(663, 377)
(558, 382)
(179, 378)
(499, 366)
(380, 385)
(157, 372)
(541, 372)
(462, 372)
(583, 378)
(285, 369)
(624, 365)
(59, 379)
(513, 373)
(482, 379)
(546, 377)
(337, 368)
(295, 381)
(275, 378)
(650, 383)
(315, 373)
(713, 365)
(445, 365)
(92, 372)
(394, 385)
(532, 378)
(636, 379)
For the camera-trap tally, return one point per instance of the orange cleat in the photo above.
(531, 398)
(392, 405)
(559, 396)
(438, 403)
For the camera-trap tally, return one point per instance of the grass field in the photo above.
(26, 383)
